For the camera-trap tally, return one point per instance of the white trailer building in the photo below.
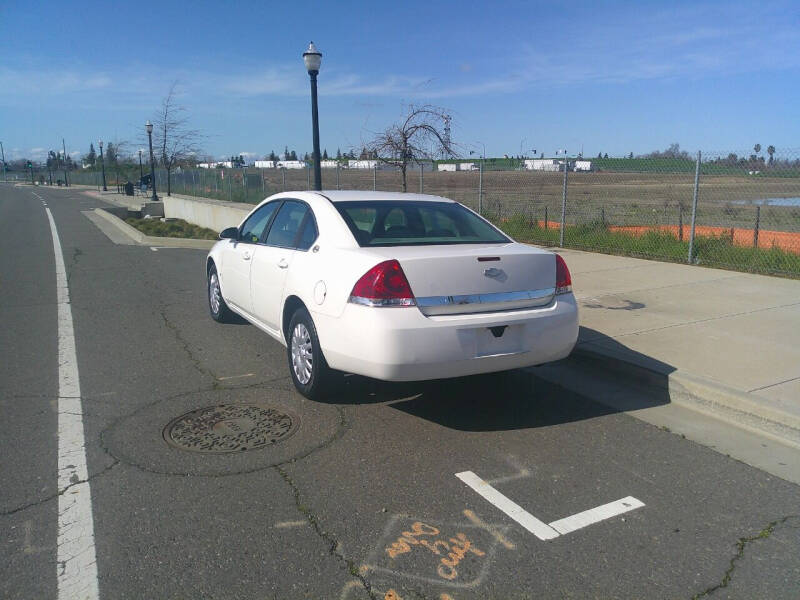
(467, 167)
(543, 164)
(583, 165)
(447, 167)
(362, 164)
(290, 164)
(265, 164)
(328, 164)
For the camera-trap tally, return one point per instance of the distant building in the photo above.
(328, 164)
(265, 164)
(583, 165)
(543, 164)
(213, 165)
(290, 164)
(362, 164)
(456, 167)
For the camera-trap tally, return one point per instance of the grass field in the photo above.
(709, 250)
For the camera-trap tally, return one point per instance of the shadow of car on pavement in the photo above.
(522, 398)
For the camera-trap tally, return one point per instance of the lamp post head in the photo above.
(313, 58)
(100, 143)
(149, 127)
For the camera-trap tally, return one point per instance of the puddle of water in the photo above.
(771, 202)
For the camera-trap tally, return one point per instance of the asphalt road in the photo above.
(361, 500)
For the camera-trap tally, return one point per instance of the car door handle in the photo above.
(246, 255)
(283, 264)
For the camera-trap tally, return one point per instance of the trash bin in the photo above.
(128, 188)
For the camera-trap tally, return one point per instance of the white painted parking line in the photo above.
(548, 531)
(77, 563)
(511, 508)
(595, 515)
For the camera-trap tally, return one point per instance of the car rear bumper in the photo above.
(401, 344)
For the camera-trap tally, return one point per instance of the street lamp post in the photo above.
(313, 59)
(64, 147)
(141, 173)
(102, 164)
(5, 176)
(149, 127)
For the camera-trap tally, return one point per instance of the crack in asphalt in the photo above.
(76, 254)
(740, 548)
(333, 543)
(41, 501)
(196, 362)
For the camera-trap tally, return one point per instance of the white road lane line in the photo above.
(595, 515)
(511, 508)
(77, 563)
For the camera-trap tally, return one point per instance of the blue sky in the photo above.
(613, 77)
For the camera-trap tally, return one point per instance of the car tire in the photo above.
(216, 303)
(310, 372)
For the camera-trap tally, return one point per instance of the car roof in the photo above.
(378, 196)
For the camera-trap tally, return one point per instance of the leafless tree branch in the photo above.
(174, 140)
(420, 135)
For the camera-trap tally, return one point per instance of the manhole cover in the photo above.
(229, 428)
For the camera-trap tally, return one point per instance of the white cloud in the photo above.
(48, 82)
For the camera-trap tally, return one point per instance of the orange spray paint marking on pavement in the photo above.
(493, 530)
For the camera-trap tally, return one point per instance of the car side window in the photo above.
(309, 233)
(284, 228)
(253, 227)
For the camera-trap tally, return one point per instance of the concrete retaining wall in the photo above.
(205, 212)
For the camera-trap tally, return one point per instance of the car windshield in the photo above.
(416, 223)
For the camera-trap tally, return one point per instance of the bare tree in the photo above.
(420, 135)
(174, 140)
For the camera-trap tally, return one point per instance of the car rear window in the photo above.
(416, 223)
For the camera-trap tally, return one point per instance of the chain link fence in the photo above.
(733, 210)
(720, 210)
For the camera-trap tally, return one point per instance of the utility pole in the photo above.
(5, 176)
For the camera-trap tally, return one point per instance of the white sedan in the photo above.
(399, 287)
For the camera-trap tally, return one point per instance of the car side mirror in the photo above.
(229, 233)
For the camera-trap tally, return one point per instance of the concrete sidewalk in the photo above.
(728, 342)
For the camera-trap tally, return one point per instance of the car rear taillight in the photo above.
(385, 284)
(563, 279)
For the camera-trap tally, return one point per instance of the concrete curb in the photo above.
(146, 240)
(690, 391)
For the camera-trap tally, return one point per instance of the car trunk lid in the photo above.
(474, 278)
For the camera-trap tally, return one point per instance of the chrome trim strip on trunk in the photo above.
(474, 303)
